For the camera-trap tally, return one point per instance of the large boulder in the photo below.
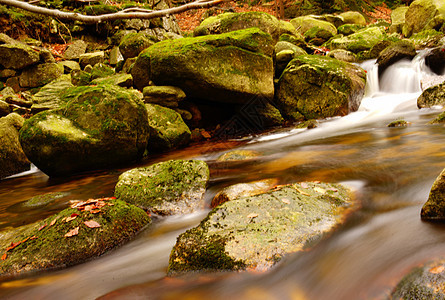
(99, 126)
(305, 23)
(255, 232)
(434, 208)
(353, 17)
(133, 44)
(167, 188)
(424, 282)
(362, 40)
(83, 231)
(424, 14)
(40, 74)
(201, 66)
(398, 19)
(432, 96)
(395, 52)
(17, 56)
(313, 87)
(235, 21)
(50, 95)
(167, 129)
(12, 158)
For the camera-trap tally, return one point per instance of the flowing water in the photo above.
(390, 169)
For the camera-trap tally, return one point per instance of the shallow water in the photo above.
(390, 169)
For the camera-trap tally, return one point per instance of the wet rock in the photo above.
(428, 39)
(227, 22)
(305, 23)
(398, 19)
(362, 40)
(395, 52)
(343, 55)
(399, 123)
(121, 79)
(12, 158)
(435, 59)
(70, 237)
(434, 95)
(167, 188)
(4, 108)
(238, 155)
(199, 66)
(97, 127)
(256, 232)
(434, 208)
(439, 119)
(313, 87)
(40, 74)
(353, 17)
(422, 15)
(17, 56)
(424, 282)
(43, 200)
(167, 129)
(134, 43)
(168, 96)
(50, 95)
(91, 58)
(239, 190)
(75, 50)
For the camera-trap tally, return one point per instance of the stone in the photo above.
(101, 70)
(115, 56)
(362, 40)
(199, 66)
(57, 243)
(439, 119)
(255, 232)
(167, 129)
(432, 96)
(4, 108)
(304, 23)
(14, 83)
(46, 56)
(428, 39)
(91, 58)
(50, 95)
(16, 100)
(75, 50)
(434, 207)
(121, 79)
(18, 56)
(69, 65)
(166, 188)
(435, 59)
(343, 55)
(398, 19)
(12, 158)
(80, 77)
(133, 44)
(349, 29)
(98, 127)
(313, 87)
(168, 96)
(353, 17)
(43, 200)
(235, 155)
(422, 15)
(40, 74)
(6, 73)
(395, 52)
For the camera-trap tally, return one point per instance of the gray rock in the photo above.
(75, 50)
(91, 58)
(40, 74)
(17, 56)
(168, 96)
(50, 95)
(69, 65)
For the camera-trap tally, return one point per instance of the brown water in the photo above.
(390, 169)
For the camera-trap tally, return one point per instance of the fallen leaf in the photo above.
(4, 256)
(91, 224)
(303, 193)
(33, 237)
(41, 227)
(13, 245)
(304, 185)
(70, 218)
(320, 190)
(285, 201)
(316, 181)
(437, 270)
(252, 215)
(53, 222)
(72, 232)
(95, 211)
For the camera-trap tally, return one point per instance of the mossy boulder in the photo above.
(168, 96)
(422, 15)
(398, 19)
(43, 200)
(434, 208)
(435, 59)
(348, 29)
(427, 39)
(432, 96)
(317, 36)
(167, 129)
(101, 70)
(50, 95)
(255, 232)
(4, 108)
(12, 158)
(395, 52)
(439, 119)
(133, 44)
(120, 79)
(313, 87)
(235, 155)
(40, 74)
(236, 21)
(424, 282)
(305, 23)
(230, 67)
(353, 17)
(166, 188)
(83, 231)
(362, 40)
(343, 55)
(91, 58)
(97, 127)
(18, 56)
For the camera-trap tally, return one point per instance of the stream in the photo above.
(391, 171)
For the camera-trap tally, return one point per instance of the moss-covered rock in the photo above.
(313, 87)
(80, 77)
(167, 188)
(317, 36)
(230, 67)
(167, 129)
(49, 96)
(17, 56)
(439, 119)
(427, 39)
(235, 21)
(343, 55)
(424, 282)
(43, 200)
(12, 158)
(362, 40)
(69, 65)
(120, 79)
(422, 15)
(398, 19)
(297, 40)
(40, 74)
(238, 155)
(353, 17)
(85, 230)
(168, 96)
(434, 208)
(395, 52)
(91, 58)
(101, 70)
(4, 108)
(434, 95)
(134, 43)
(99, 126)
(348, 29)
(399, 123)
(304, 23)
(75, 50)
(257, 231)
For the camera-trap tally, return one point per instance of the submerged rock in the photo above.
(395, 52)
(97, 127)
(85, 230)
(201, 68)
(238, 155)
(257, 231)
(434, 208)
(313, 87)
(166, 188)
(12, 158)
(439, 119)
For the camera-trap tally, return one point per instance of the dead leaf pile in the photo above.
(92, 205)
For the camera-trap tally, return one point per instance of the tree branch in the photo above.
(125, 14)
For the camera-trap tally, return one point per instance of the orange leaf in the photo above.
(95, 211)
(72, 232)
(53, 222)
(437, 270)
(4, 256)
(13, 245)
(91, 224)
(33, 237)
(41, 227)
(72, 217)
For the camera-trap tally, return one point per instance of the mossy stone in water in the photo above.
(434, 208)
(439, 119)
(238, 155)
(432, 96)
(46, 244)
(257, 231)
(167, 188)
(42, 200)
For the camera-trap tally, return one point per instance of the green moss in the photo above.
(42, 200)
(439, 119)
(398, 123)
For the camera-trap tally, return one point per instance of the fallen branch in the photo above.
(133, 13)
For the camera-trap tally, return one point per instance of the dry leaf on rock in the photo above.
(91, 224)
(72, 232)
(252, 215)
(437, 270)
